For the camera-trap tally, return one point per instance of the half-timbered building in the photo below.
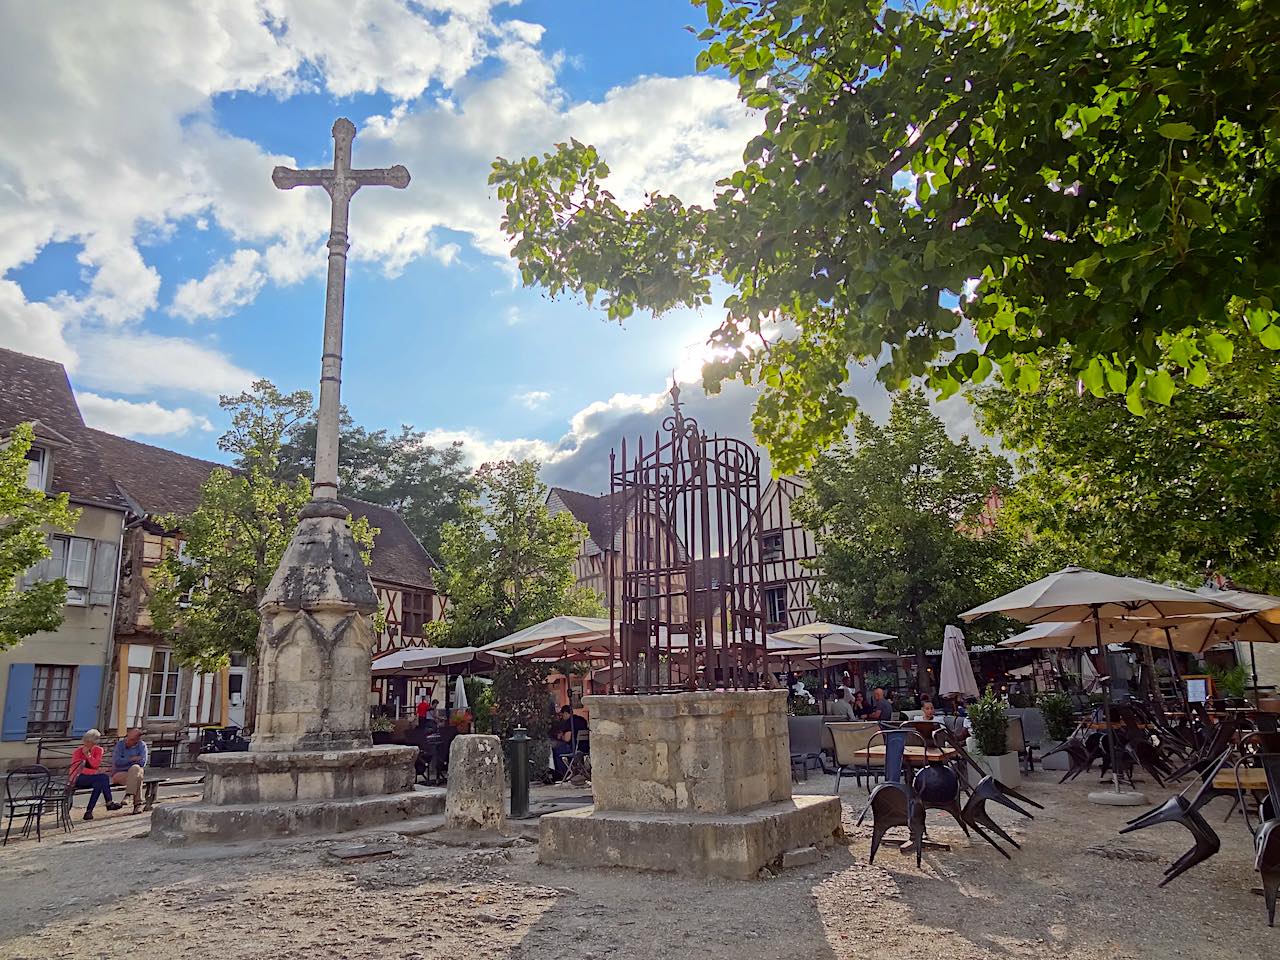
(784, 549)
(148, 687)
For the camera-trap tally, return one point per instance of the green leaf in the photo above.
(1176, 131)
(1219, 347)
(1269, 337)
(1133, 400)
(1160, 387)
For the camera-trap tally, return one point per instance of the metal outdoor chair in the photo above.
(58, 799)
(850, 740)
(1140, 749)
(24, 796)
(804, 738)
(895, 740)
(578, 766)
(1184, 809)
(937, 787)
(1266, 837)
(1081, 752)
(892, 803)
(987, 789)
(1218, 739)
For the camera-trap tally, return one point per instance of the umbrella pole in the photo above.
(1106, 699)
(822, 676)
(1253, 658)
(1177, 677)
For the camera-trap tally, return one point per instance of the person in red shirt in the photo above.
(86, 773)
(424, 709)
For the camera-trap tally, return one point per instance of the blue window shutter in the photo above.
(84, 712)
(17, 701)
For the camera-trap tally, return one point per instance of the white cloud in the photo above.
(477, 448)
(130, 419)
(228, 286)
(120, 144)
(138, 363)
(533, 399)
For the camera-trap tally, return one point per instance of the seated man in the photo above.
(565, 736)
(128, 761)
(842, 709)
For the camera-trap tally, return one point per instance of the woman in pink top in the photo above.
(86, 772)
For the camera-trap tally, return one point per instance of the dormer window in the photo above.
(37, 468)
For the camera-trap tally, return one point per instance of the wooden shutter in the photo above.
(84, 708)
(79, 557)
(103, 585)
(17, 701)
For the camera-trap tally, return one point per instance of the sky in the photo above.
(143, 245)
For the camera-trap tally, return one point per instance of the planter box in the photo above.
(1004, 768)
(1059, 761)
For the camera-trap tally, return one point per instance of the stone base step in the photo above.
(178, 823)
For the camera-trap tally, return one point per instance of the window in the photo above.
(415, 612)
(71, 560)
(162, 701)
(50, 713)
(771, 546)
(184, 598)
(37, 460)
(775, 606)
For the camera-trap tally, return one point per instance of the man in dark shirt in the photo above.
(564, 736)
(881, 709)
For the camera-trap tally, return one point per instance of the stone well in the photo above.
(696, 783)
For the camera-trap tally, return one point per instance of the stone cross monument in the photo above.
(311, 766)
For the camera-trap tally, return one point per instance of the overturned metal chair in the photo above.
(988, 788)
(893, 802)
(1184, 809)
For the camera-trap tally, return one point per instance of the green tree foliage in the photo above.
(26, 518)
(1098, 177)
(1189, 489)
(206, 602)
(423, 483)
(905, 528)
(508, 562)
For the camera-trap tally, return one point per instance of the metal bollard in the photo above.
(519, 773)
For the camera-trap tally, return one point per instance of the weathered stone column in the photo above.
(315, 643)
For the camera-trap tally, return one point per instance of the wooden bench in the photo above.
(55, 754)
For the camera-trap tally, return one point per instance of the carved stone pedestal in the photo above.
(692, 783)
(311, 766)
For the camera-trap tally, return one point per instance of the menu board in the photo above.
(1197, 689)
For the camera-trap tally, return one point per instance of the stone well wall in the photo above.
(708, 752)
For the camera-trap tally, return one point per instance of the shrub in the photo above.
(1059, 718)
(1231, 683)
(989, 725)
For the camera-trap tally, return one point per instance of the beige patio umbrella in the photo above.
(838, 639)
(556, 628)
(956, 678)
(1075, 594)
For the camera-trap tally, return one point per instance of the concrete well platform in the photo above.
(730, 845)
(250, 795)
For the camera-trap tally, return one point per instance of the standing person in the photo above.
(86, 772)
(423, 709)
(128, 761)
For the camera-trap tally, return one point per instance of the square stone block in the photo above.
(734, 846)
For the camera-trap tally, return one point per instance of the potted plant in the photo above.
(1059, 724)
(381, 729)
(1231, 684)
(989, 725)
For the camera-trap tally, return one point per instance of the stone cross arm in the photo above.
(287, 178)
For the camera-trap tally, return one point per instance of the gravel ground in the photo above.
(1074, 890)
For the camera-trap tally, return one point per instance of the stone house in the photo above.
(105, 666)
(52, 684)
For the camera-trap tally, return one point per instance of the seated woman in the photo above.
(86, 773)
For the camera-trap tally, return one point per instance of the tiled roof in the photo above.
(32, 389)
(595, 513)
(158, 481)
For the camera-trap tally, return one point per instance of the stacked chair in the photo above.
(1184, 809)
(1266, 835)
